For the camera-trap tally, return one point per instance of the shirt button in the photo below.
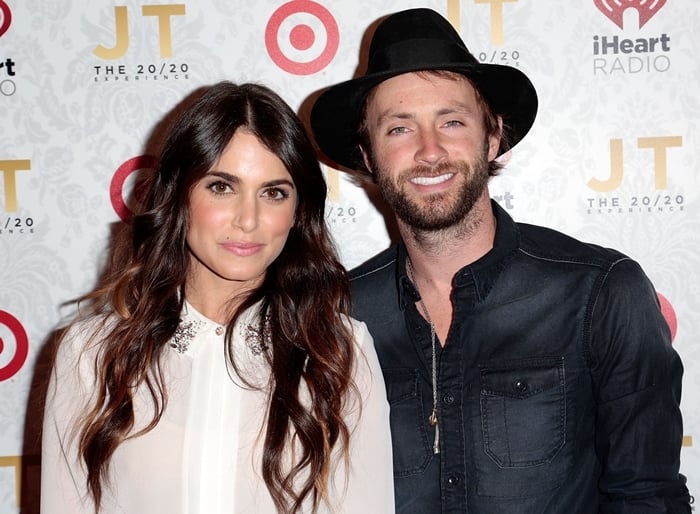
(520, 386)
(453, 479)
(219, 331)
(448, 398)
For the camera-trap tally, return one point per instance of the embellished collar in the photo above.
(194, 325)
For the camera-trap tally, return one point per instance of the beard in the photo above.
(438, 211)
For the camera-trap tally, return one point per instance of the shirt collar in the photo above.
(480, 275)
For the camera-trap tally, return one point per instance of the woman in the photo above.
(217, 371)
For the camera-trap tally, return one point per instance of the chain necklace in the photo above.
(433, 419)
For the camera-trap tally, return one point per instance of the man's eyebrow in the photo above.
(389, 115)
(458, 107)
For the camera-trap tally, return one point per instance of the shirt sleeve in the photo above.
(370, 486)
(637, 380)
(63, 479)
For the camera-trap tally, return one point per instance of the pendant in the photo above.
(433, 418)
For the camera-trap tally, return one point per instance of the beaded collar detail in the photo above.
(185, 332)
(255, 333)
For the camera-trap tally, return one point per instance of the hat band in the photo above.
(419, 54)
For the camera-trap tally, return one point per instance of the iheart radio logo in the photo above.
(615, 9)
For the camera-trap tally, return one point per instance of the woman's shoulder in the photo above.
(367, 362)
(83, 335)
(359, 331)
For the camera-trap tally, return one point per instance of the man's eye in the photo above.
(397, 130)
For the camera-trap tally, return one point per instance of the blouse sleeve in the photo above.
(63, 486)
(370, 486)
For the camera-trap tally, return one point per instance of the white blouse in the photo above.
(204, 456)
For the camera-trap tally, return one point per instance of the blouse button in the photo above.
(219, 331)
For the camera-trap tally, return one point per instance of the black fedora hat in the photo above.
(417, 40)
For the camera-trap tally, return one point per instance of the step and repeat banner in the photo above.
(613, 158)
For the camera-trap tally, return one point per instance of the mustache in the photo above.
(437, 170)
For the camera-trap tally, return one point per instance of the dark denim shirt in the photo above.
(559, 390)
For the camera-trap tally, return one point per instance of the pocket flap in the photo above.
(523, 381)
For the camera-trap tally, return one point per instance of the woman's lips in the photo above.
(242, 249)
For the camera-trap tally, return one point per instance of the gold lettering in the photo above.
(497, 37)
(9, 167)
(615, 179)
(453, 15)
(164, 12)
(121, 45)
(14, 461)
(659, 145)
(333, 181)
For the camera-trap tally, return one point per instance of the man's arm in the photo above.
(637, 381)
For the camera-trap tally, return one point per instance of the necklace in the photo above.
(433, 419)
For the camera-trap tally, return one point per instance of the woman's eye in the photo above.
(219, 187)
(275, 193)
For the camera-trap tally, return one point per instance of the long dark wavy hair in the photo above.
(304, 295)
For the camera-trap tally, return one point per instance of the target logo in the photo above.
(669, 314)
(5, 17)
(10, 326)
(124, 172)
(302, 37)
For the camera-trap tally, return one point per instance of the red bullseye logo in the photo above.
(5, 17)
(669, 314)
(302, 37)
(116, 187)
(21, 350)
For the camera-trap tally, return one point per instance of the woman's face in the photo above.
(241, 212)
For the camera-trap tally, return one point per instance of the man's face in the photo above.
(430, 151)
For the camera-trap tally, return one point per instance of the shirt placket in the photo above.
(452, 394)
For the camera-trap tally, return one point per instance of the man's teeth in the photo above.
(429, 181)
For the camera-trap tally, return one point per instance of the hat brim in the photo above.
(336, 114)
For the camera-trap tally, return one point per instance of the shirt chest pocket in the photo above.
(523, 412)
(410, 444)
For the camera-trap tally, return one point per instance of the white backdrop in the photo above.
(613, 158)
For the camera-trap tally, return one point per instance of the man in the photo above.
(527, 372)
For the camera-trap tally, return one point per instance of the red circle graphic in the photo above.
(141, 162)
(6, 17)
(21, 346)
(302, 37)
(669, 314)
